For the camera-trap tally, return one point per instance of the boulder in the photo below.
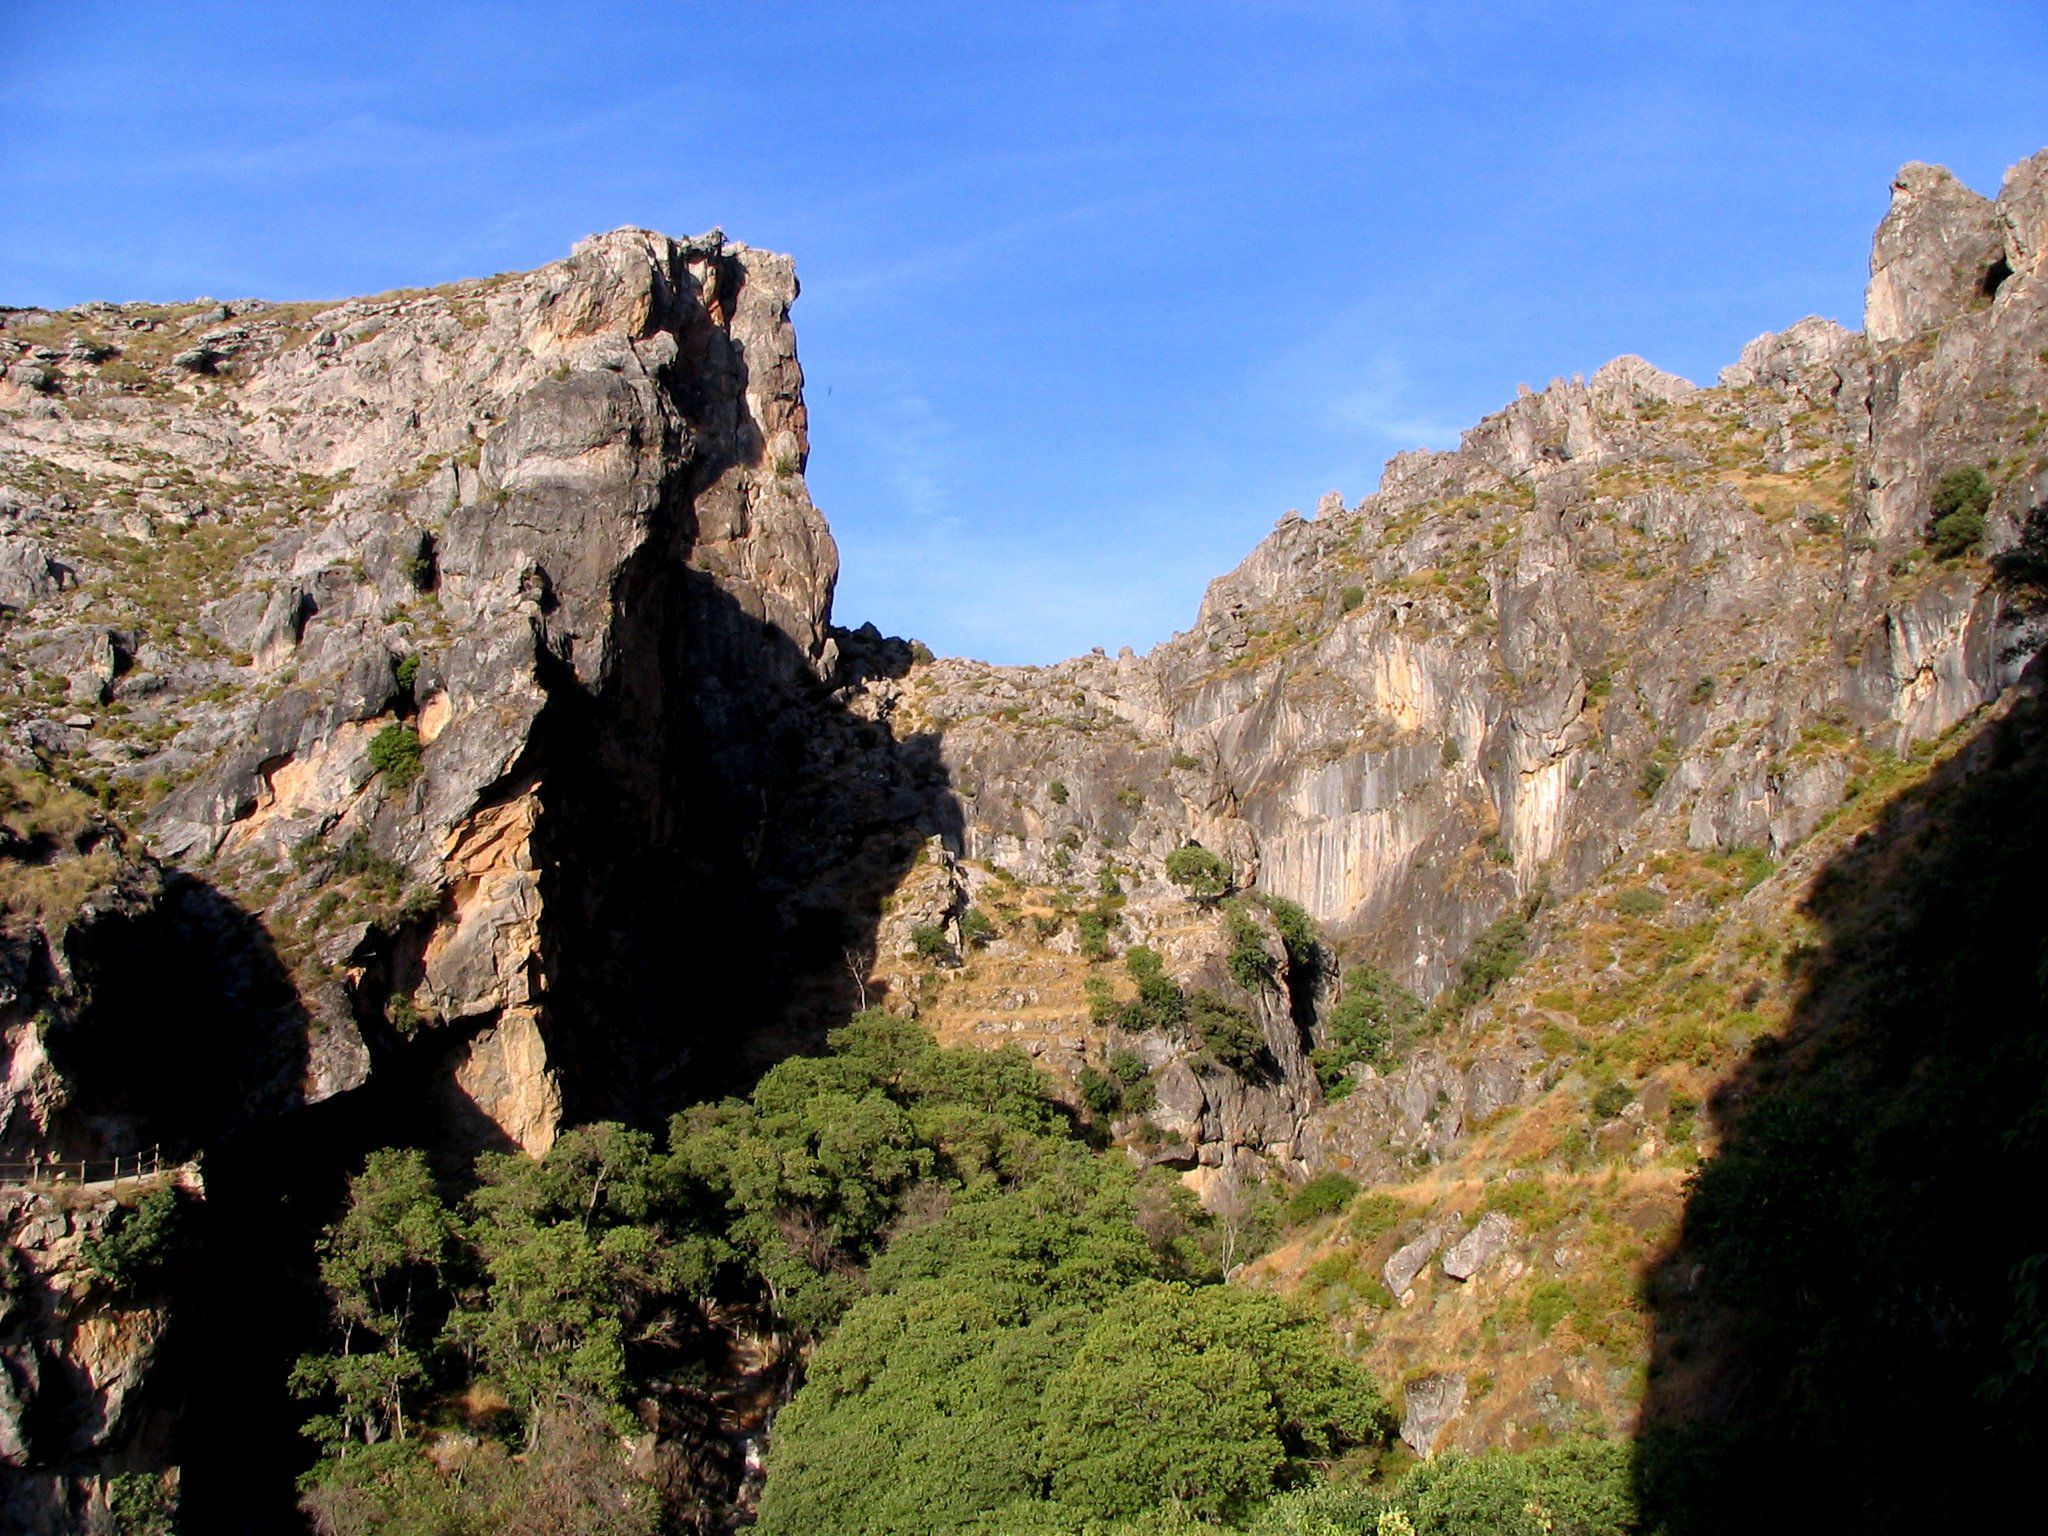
(1409, 1260)
(1479, 1247)
(1429, 1405)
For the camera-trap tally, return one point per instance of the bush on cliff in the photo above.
(136, 1248)
(1369, 1023)
(1202, 874)
(1956, 512)
(395, 753)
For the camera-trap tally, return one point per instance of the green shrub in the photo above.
(1227, 1033)
(395, 753)
(407, 672)
(2023, 570)
(1203, 875)
(1326, 1194)
(138, 1244)
(977, 928)
(1611, 1100)
(142, 1504)
(1955, 514)
(1102, 1092)
(1248, 963)
(1493, 958)
(929, 942)
(1058, 791)
(1377, 1214)
(1159, 1004)
(1298, 934)
(1351, 597)
(1526, 1199)
(1093, 928)
(1370, 1021)
(1638, 902)
(1549, 1302)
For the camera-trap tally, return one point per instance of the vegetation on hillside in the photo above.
(1006, 1329)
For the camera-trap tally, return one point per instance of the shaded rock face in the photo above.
(463, 659)
(547, 532)
(80, 1396)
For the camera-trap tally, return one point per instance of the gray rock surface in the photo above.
(1429, 1405)
(1623, 609)
(1487, 1240)
(571, 493)
(1940, 248)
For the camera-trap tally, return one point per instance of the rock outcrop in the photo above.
(1624, 609)
(424, 625)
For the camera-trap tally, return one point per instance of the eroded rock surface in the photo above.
(1624, 609)
(541, 536)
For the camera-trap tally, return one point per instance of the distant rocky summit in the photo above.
(423, 723)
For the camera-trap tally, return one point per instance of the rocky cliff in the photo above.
(1626, 610)
(424, 722)
(449, 655)
(415, 625)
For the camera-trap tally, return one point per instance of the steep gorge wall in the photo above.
(445, 650)
(1621, 603)
(553, 523)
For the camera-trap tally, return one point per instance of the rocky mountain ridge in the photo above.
(461, 662)
(1624, 611)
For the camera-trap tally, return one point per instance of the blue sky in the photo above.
(1092, 292)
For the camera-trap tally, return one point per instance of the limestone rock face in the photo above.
(543, 537)
(1939, 248)
(78, 1402)
(1623, 609)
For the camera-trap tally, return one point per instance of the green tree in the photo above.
(1956, 512)
(1248, 963)
(136, 1247)
(1202, 1395)
(1159, 1004)
(1368, 1023)
(1202, 874)
(384, 1267)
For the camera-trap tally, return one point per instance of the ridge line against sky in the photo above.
(1092, 293)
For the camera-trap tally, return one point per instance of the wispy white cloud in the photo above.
(1381, 399)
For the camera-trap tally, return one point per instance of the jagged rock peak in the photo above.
(1941, 248)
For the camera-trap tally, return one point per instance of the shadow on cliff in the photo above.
(722, 834)
(194, 1040)
(1851, 1332)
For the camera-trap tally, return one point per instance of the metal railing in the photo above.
(33, 1172)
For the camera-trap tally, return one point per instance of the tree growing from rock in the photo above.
(1203, 875)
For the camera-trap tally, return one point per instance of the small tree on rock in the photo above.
(1955, 516)
(1203, 875)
